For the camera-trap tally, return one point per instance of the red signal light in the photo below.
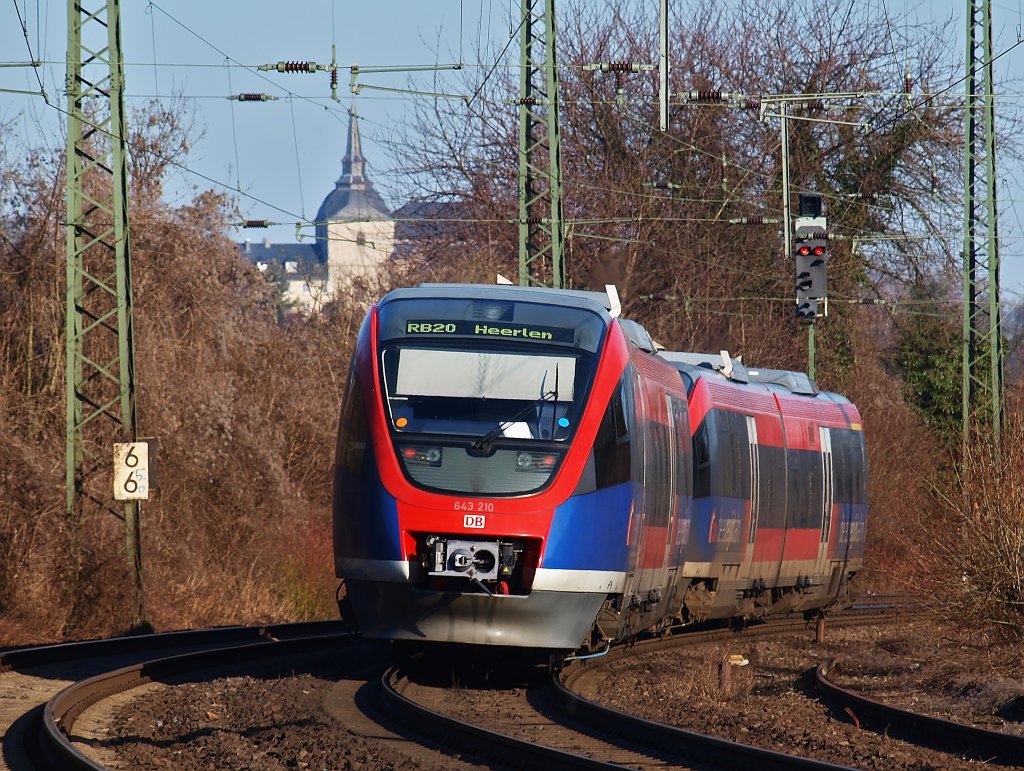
(818, 251)
(803, 251)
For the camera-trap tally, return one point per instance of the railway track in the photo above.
(46, 687)
(967, 740)
(550, 726)
(538, 722)
(548, 723)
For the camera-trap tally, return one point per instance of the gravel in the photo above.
(282, 723)
(770, 702)
(247, 723)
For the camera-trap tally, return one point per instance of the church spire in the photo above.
(353, 198)
(353, 167)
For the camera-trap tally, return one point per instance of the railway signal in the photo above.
(810, 255)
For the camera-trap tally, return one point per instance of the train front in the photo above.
(466, 429)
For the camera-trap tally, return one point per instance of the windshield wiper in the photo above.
(554, 412)
(483, 444)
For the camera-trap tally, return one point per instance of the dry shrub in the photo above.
(705, 678)
(903, 456)
(967, 550)
(246, 411)
(241, 399)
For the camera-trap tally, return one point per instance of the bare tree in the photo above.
(651, 211)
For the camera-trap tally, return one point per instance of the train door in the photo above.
(755, 490)
(642, 452)
(844, 545)
(679, 422)
(672, 450)
(653, 511)
(828, 496)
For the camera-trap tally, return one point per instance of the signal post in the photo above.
(810, 255)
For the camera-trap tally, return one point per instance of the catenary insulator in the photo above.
(253, 97)
(291, 67)
(711, 95)
(256, 224)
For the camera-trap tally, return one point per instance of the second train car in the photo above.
(520, 467)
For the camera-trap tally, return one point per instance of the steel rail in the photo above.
(695, 747)
(973, 741)
(483, 742)
(690, 744)
(682, 637)
(63, 709)
(43, 655)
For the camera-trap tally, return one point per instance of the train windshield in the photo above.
(483, 394)
(483, 421)
(468, 390)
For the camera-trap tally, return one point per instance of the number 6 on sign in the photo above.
(131, 471)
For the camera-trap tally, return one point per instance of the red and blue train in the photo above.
(520, 467)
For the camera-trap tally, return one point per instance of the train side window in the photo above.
(732, 467)
(612, 444)
(658, 482)
(688, 382)
(840, 467)
(702, 457)
(806, 489)
(772, 483)
(848, 454)
(354, 427)
(678, 414)
(857, 459)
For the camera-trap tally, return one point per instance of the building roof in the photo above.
(354, 198)
(294, 261)
(421, 221)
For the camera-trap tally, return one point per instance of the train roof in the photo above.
(725, 367)
(594, 301)
(694, 365)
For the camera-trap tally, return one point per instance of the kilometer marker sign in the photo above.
(131, 471)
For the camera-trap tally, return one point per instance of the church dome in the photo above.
(354, 198)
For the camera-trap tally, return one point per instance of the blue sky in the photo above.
(281, 158)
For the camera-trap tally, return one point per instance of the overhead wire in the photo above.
(31, 56)
(234, 137)
(492, 68)
(298, 164)
(929, 98)
(152, 33)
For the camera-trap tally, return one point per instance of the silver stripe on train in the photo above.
(375, 570)
(552, 580)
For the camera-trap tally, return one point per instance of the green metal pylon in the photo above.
(540, 161)
(99, 346)
(981, 232)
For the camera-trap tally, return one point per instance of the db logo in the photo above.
(474, 520)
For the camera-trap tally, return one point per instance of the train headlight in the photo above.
(535, 461)
(429, 456)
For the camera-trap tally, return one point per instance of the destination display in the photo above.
(491, 329)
